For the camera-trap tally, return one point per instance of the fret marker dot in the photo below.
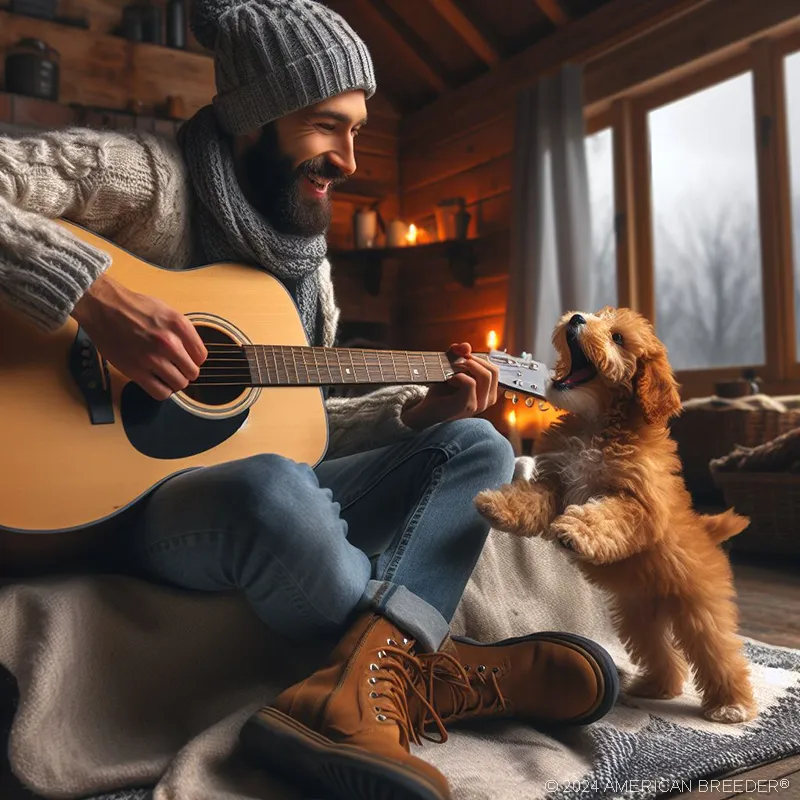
(347, 370)
(416, 372)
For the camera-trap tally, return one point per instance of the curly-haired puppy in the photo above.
(607, 486)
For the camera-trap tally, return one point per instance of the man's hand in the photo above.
(470, 391)
(146, 340)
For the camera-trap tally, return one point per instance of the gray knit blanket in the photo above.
(130, 691)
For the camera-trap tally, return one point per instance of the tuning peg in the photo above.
(508, 395)
(514, 400)
(529, 402)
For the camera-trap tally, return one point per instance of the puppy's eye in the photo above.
(617, 337)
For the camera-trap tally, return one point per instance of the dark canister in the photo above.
(32, 69)
(142, 22)
(176, 24)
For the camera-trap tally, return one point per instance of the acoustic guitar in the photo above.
(81, 444)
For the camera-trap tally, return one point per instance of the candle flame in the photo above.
(512, 418)
(491, 340)
(411, 236)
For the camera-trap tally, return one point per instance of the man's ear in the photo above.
(657, 389)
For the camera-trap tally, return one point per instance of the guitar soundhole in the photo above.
(225, 374)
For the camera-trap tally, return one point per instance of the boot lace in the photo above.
(471, 691)
(398, 692)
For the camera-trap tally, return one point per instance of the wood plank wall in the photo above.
(475, 164)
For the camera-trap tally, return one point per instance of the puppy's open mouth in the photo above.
(581, 370)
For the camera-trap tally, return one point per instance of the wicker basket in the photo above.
(712, 428)
(772, 501)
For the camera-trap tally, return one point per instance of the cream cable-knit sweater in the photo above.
(132, 189)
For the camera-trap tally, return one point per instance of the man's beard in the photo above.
(275, 187)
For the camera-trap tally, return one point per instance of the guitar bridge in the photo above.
(90, 373)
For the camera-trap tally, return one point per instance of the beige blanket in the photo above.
(125, 684)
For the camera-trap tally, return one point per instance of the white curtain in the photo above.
(551, 231)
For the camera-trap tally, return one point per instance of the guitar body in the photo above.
(61, 472)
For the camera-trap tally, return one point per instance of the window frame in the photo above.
(627, 115)
(780, 49)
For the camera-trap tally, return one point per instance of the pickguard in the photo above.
(161, 429)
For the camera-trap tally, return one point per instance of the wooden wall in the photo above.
(474, 164)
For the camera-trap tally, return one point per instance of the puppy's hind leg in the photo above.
(644, 626)
(707, 634)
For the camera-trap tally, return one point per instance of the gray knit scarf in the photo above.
(230, 229)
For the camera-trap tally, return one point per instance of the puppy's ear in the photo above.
(657, 389)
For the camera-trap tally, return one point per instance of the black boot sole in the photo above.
(324, 768)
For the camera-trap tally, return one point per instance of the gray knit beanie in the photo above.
(273, 57)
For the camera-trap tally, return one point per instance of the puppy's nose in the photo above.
(577, 319)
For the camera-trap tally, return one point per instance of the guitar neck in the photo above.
(282, 365)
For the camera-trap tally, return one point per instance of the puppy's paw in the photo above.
(494, 506)
(729, 714)
(572, 533)
(665, 688)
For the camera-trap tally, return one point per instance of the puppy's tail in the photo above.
(723, 526)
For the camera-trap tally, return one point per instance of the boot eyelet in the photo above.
(378, 708)
(405, 641)
(467, 667)
(374, 667)
(391, 642)
(481, 668)
(381, 718)
(374, 695)
(381, 654)
(373, 680)
(495, 670)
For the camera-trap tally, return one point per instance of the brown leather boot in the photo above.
(545, 678)
(344, 731)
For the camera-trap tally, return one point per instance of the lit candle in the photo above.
(411, 236)
(491, 340)
(513, 433)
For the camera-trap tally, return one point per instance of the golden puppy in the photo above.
(607, 485)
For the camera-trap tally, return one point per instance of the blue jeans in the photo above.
(392, 529)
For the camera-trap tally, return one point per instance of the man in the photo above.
(373, 547)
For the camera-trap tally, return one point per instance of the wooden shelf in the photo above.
(102, 70)
(463, 256)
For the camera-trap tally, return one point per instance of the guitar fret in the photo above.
(277, 378)
(252, 355)
(293, 354)
(316, 364)
(326, 375)
(332, 377)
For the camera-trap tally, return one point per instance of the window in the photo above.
(706, 246)
(600, 166)
(792, 66)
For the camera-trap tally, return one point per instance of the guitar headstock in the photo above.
(520, 375)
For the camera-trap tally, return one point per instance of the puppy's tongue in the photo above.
(582, 374)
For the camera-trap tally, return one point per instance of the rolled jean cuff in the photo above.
(410, 613)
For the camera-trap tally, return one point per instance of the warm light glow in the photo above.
(491, 340)
(512, 419)
(411, 236)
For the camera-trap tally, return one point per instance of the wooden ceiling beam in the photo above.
(420, 54)
(554, 11)
(584, 38)
(454, 14)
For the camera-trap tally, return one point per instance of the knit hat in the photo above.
(273, 57)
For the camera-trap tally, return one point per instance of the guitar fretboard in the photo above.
(275, 365)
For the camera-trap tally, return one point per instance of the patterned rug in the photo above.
(641, 762)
